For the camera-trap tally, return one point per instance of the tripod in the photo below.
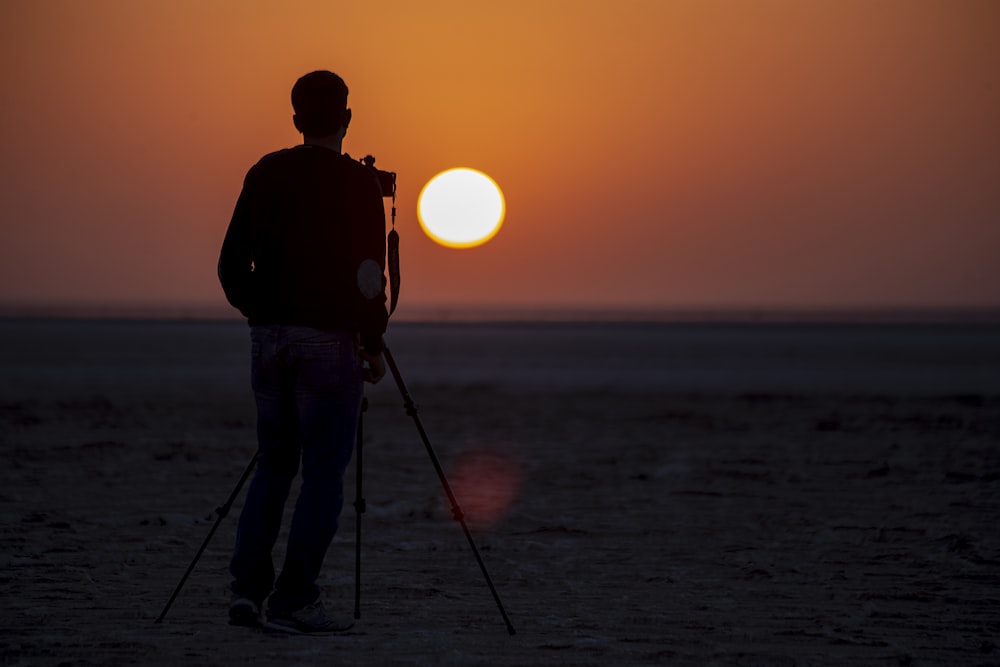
(411, 410)
(359, 502)
(221, 511)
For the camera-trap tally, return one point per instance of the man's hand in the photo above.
(372, 367)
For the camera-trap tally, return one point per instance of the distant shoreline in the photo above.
(459, 314)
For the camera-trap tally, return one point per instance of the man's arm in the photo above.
(236, 258)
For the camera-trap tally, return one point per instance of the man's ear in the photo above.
(347, 118)
(295, 121)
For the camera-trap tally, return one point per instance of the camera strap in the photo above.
(392, 256)
(392, 241)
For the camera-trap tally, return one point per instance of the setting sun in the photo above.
(461, 208)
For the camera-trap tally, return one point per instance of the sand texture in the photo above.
(701, 496)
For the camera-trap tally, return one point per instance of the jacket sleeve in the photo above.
(369, 262)
(236, 258)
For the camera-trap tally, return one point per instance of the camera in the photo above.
(386, 179)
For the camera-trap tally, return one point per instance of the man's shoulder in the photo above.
(268, 163)
(302, 159)
(305, 154)
(274, 157)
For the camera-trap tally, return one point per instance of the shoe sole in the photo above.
(293, 628)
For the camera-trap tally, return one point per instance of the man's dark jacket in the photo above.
(306, 245)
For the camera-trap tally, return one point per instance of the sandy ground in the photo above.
(652, 526)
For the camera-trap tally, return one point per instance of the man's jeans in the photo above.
(307, 384)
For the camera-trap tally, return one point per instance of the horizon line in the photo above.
(459, 313)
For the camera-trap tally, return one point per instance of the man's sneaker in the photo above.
(310, 620)
(244, 611)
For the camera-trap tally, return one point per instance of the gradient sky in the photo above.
(658, 154)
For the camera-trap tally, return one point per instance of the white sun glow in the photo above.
(461, 208)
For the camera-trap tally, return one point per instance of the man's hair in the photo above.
(320, 103)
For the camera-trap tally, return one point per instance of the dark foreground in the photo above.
(655, 522)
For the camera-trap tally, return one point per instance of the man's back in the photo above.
(307, 219)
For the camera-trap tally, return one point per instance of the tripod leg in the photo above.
(221, 511)
(411, 409)
(359, 508)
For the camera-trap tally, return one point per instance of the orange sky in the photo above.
(678, 154)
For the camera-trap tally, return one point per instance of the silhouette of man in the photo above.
(303, 259)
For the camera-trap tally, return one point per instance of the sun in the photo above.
(461, 208)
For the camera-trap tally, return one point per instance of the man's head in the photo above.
(320, 103)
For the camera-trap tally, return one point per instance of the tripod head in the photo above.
(386, 179)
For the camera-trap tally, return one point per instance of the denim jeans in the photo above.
(308, 389)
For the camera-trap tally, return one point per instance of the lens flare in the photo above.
(486, 482)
